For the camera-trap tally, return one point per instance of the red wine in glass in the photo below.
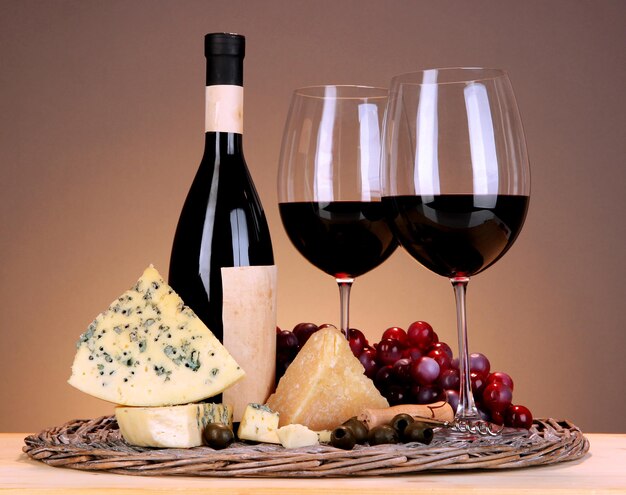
(457, 234)
(342, 238)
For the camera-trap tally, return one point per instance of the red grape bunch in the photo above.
(414, 367)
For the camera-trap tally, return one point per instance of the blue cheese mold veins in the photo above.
(149, 349)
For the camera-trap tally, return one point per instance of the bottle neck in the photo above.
(223, 143)
(224, 54)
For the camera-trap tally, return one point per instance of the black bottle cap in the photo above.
(224, 53)
(224, 44)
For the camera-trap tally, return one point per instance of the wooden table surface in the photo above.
(601, 471)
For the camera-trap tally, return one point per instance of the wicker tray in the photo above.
(96, 445)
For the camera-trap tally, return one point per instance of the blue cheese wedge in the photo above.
(149, 349)
(170, 427)
(259, 424)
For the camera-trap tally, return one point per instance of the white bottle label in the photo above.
(249, 316)
(224, 109)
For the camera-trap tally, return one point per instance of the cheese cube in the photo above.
(259, 424)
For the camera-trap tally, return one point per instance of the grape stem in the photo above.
(466, 411)
(345, 284)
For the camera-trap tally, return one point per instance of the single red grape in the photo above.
(427, 394)
(420, 334)
(357, 341)
(395, 333)
(413, 353)
(287, 343)
(449, 379)
(497, 418)
(384, 378)
(402, 370)
(518, 417)
(442, 358)
(497, 397)
(396, 394)
(478, 384)
(303, 331)
(452, 398)
(454, 363)
(499, 377)
(388, 351)
(479, 364)
(425, 370)
(368, 360)
(444, 347)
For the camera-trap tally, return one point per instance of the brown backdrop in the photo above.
(101, 131)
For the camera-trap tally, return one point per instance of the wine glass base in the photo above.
(480, 430)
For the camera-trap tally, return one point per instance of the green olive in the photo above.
(400, 422)
(218, 436)
(342, 437)
(418, 432)
(359, 430)
(382, 434)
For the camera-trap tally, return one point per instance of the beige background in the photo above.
(101, 131)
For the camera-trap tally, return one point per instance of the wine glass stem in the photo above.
(466, 409)
(345, 284)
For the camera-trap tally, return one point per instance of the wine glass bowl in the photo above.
(329, 182)
(456, 183)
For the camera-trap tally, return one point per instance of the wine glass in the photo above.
(329, 182)
(456, 185)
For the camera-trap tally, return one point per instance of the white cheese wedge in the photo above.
(149, 349)
(294, 436)
(259, 424)
(170, 427)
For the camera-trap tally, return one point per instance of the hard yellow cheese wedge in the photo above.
(149, 349)
(324, 385)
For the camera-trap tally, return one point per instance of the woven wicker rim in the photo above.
(96, 445)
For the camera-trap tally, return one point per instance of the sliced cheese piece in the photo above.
(324, 436)
(294, 436)
(324, 385)
(259, 424)
(149, 349)
(170, 427)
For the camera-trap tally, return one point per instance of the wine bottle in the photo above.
(222, 264)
